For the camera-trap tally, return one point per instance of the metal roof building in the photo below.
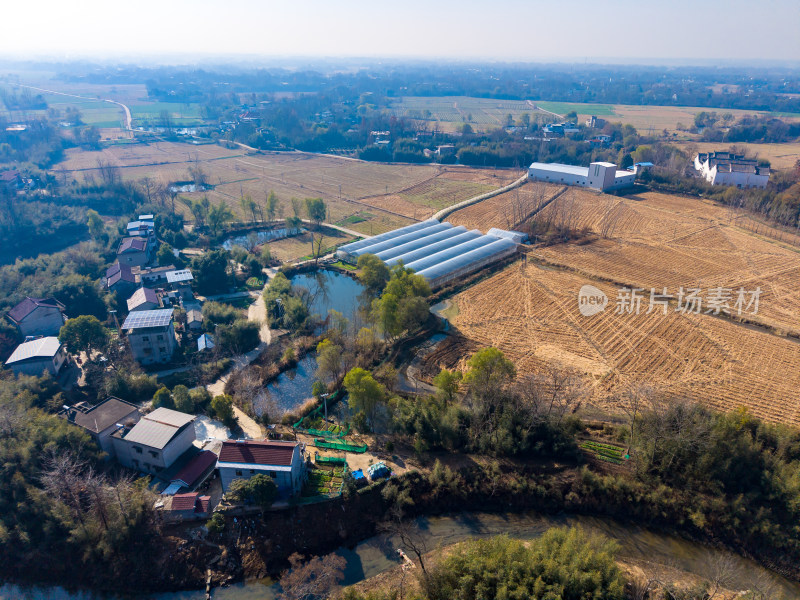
(437, 251)
(601, 176)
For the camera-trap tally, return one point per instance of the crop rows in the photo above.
(536, 322)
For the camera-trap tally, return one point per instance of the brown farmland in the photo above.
(531, 313)
(368, 197)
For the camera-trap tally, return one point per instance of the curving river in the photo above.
(377, 554)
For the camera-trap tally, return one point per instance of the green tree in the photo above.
(364, 392)
(182, 400)
(163, 398)
(96, 226)
(239, 337)
(165, 256)
(210, 272)
(217, 217)
(271, 205)
(84, 333)
(329, 360)
(216, 524)
(222, 407)
(260, 490)
(373, 273)
(489, 371)
(563, 564)
(446, 383)
(316, 210)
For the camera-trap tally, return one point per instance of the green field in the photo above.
(562, 108)
(181, 114)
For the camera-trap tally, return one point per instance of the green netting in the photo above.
(330, 460)
(321, 443)
(338, 432)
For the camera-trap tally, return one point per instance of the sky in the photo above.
(507, 30)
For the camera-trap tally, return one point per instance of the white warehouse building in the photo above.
(438, 251)
(601, 176)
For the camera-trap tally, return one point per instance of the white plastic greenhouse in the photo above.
(437, 251)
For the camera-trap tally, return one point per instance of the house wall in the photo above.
(148, 349)
(552, 176)
(38, 366)
(289, 481)
(42, 321)
(738, 179)
(134, 259)
(104, 439)
(152, 460)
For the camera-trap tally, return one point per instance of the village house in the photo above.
(143, 299)
(156, 441)
(102, 419)
(153, 276)
(282, 461)
(120, 278)
(35, 357)
(194, 320)
(193, 473)
(726, 168)
(151, 335)
(181, 282)
(38, 316)
(187, 506)
(134, 251)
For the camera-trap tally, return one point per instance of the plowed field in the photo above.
(531, 313)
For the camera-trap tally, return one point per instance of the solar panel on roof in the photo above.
(141, 319)
(177, 276)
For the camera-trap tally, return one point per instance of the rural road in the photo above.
(126, 110)
(257, 312)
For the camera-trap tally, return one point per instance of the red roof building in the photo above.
(196, 470)
(282, 461)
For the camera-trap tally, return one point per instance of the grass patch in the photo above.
(345, 266)
(323, 480)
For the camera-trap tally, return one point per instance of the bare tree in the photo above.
(635, 398)
(314, 580)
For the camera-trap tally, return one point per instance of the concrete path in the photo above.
(475, 199)
(125, 109)
(257, 312)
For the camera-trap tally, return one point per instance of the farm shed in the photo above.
(345, 252)
(599, 176)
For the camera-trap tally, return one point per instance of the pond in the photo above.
(378, 554)
(331, 290)
(290, 390)
(259, 237)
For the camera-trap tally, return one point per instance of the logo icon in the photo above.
(591, 300)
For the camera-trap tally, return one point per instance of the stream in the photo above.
(377, 554)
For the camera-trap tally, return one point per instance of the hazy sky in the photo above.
(491, 29)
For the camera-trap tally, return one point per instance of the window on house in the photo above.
(137, 449)
(159, 337)
(145, 338)
(273, 474)
(162, 349)
(153, 453)
(147, 350)
(239, 472)
(252, 471)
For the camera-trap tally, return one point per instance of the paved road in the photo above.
(126, 110)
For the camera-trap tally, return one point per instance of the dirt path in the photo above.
(257, 312)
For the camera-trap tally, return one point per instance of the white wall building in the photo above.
(37, 356)
(156, 441)
(601, 176)
(726, 168)
(282, 461)
(151, 334)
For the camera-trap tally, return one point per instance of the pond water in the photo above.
(331, 290)
(377, 554)
(291, 389)
(259, 237)
(186, 187)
